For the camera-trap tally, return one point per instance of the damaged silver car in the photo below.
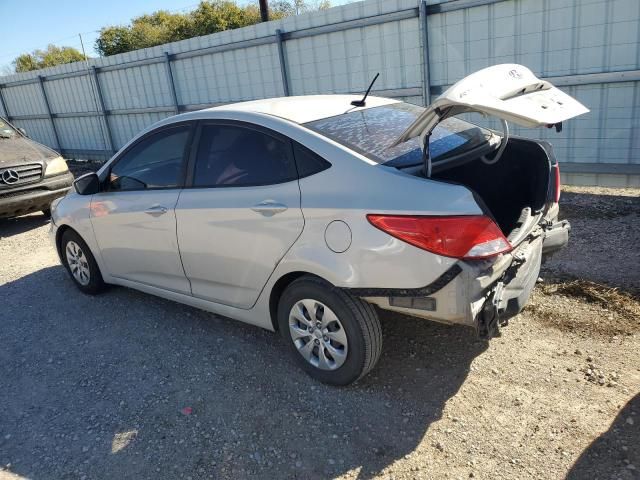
(299, 214)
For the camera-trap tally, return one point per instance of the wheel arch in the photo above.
(278, 289)
(59, 234)
(62, 229)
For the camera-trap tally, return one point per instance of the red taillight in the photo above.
(556, 196)
(469, 237)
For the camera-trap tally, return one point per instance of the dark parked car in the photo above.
(31, 175)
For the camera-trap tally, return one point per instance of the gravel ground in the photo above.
(126, 385)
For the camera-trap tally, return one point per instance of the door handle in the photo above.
(269, 208)
(156, 210)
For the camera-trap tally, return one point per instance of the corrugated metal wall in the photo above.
(591, 48)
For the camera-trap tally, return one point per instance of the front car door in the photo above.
(134, 217)
(240, 213)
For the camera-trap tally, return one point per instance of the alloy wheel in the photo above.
(78, 263)
(318, 334)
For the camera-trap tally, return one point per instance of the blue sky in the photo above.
(36, 23)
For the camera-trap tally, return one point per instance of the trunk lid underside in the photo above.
(510, 92)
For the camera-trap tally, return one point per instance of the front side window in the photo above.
(230, 155)
(372, 131)
(157, 161)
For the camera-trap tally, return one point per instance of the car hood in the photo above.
(508, 91)
(17, 149)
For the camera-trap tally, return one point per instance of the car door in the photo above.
(134, 217)
(240, 213)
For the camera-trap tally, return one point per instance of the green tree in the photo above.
(47, 58)
(210, 16)
(306, 6)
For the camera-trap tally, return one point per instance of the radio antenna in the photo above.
(362, 103)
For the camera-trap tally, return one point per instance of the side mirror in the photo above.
(87, 184)
(23, 131)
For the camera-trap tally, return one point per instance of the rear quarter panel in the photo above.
(352, 188)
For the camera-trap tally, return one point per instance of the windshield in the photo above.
(6, 130)
(372, 131)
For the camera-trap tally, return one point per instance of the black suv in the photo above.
(31, 175)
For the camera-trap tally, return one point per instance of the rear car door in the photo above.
(240, 213)
(134, 217)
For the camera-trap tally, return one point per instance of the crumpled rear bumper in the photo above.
(484, 294)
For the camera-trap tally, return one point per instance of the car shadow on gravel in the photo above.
(15, 226)
(615, 453)
(131, 386)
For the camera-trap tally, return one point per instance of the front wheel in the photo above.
(334, 336)
(80, 263)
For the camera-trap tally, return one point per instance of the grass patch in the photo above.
(586, 307)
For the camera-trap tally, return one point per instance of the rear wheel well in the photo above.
(278, 289)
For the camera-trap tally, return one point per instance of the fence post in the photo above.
(4, 105)
(283, 63)
(103, 111)
(49, 114)
(424, 33)
(172, 85)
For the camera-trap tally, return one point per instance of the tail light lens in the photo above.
(464, 237)
(556, 194)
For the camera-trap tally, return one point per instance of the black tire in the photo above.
(95, 283)
(358, 318)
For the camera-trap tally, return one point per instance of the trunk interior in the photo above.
(519, 180)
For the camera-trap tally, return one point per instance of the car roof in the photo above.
(303, 109)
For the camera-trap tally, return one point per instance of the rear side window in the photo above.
(308, 162)
(230, 155)
(156, 161)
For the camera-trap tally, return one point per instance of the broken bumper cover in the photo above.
(34, 197)
(556, 237)
(463, 289)
(481, 294)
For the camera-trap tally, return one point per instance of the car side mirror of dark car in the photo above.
(87, 184)
(23, 131)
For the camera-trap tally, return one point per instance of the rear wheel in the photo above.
(80, 263)
(334, 336)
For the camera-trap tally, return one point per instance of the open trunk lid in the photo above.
(508, 91)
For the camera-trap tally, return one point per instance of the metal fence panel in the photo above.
(39, 129)
(81, 133)
(136, 87)
(234, 75)
(591, 47)
(71, 94)
(24, 99)
(125, 127)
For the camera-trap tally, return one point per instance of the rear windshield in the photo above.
(372, 131)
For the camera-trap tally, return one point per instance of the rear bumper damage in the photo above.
(480, 294)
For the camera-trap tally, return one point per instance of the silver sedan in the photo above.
(302, 214)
